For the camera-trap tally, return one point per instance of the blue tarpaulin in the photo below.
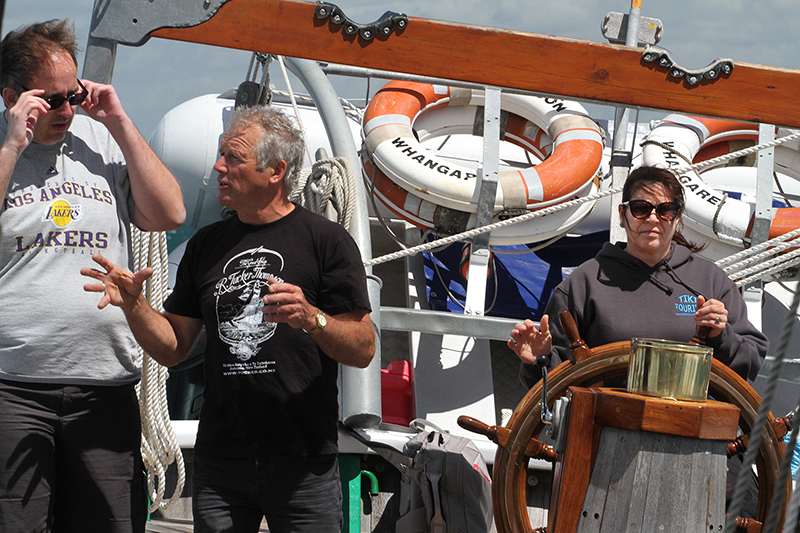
(519, 285)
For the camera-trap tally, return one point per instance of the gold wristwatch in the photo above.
(322, 321)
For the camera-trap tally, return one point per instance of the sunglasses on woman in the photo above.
(642, 208)
(73, 99)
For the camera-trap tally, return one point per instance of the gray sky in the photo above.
(156, 77)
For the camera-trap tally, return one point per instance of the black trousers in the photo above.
(70, 459)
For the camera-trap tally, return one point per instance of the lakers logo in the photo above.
(62, 213)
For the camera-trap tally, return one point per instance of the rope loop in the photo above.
(159, 445)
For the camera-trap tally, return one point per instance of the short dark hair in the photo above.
(644, 177)
(25, 49)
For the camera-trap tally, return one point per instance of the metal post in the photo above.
(98, 62)
(765, 165)
(487, 186)
(350, 478)
(621, 157)
(360, 397)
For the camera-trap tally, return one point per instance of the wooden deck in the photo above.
(171, 525)
(180, 525)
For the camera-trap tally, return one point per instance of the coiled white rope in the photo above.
(328, 187)
(159, 445)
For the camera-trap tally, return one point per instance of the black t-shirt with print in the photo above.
(269, 388)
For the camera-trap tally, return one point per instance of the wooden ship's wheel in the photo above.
(518, 440)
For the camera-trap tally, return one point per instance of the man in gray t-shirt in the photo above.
(71, 185)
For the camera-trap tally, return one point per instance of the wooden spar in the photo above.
(543, 64)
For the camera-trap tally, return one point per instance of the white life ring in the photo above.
(419, 186)
(709, 212)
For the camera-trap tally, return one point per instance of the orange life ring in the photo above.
(420, 186)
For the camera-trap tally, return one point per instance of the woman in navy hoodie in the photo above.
(653, 286)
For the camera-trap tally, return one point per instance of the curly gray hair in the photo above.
(281, 140)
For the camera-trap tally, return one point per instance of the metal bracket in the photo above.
(388, 22)
(486, 185)
(542, 360)
(558, 429)
(615, 29)
(693, 76)
(131, 21)
(765, 168)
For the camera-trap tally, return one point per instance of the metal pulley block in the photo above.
(251, 92)
(248, 94)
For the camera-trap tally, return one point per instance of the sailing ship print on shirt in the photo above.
(239, 303)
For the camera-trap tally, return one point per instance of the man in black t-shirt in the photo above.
(282, 295)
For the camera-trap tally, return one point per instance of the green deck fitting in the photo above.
(350, 473)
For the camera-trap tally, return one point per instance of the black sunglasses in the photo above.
(73, 99)
(642, 208)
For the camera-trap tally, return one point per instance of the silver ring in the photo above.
(718, 320)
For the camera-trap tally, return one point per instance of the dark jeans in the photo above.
(70, 460)
(296, 494)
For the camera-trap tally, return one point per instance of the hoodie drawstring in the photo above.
(677, 279)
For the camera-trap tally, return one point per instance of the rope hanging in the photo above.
(294, 106)
(328, 188)
(159, 444)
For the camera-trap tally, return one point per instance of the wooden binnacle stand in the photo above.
(628, 462)
(638, 463)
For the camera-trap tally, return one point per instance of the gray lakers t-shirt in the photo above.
(64, 203)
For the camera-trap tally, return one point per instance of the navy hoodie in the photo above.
(615, 297)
